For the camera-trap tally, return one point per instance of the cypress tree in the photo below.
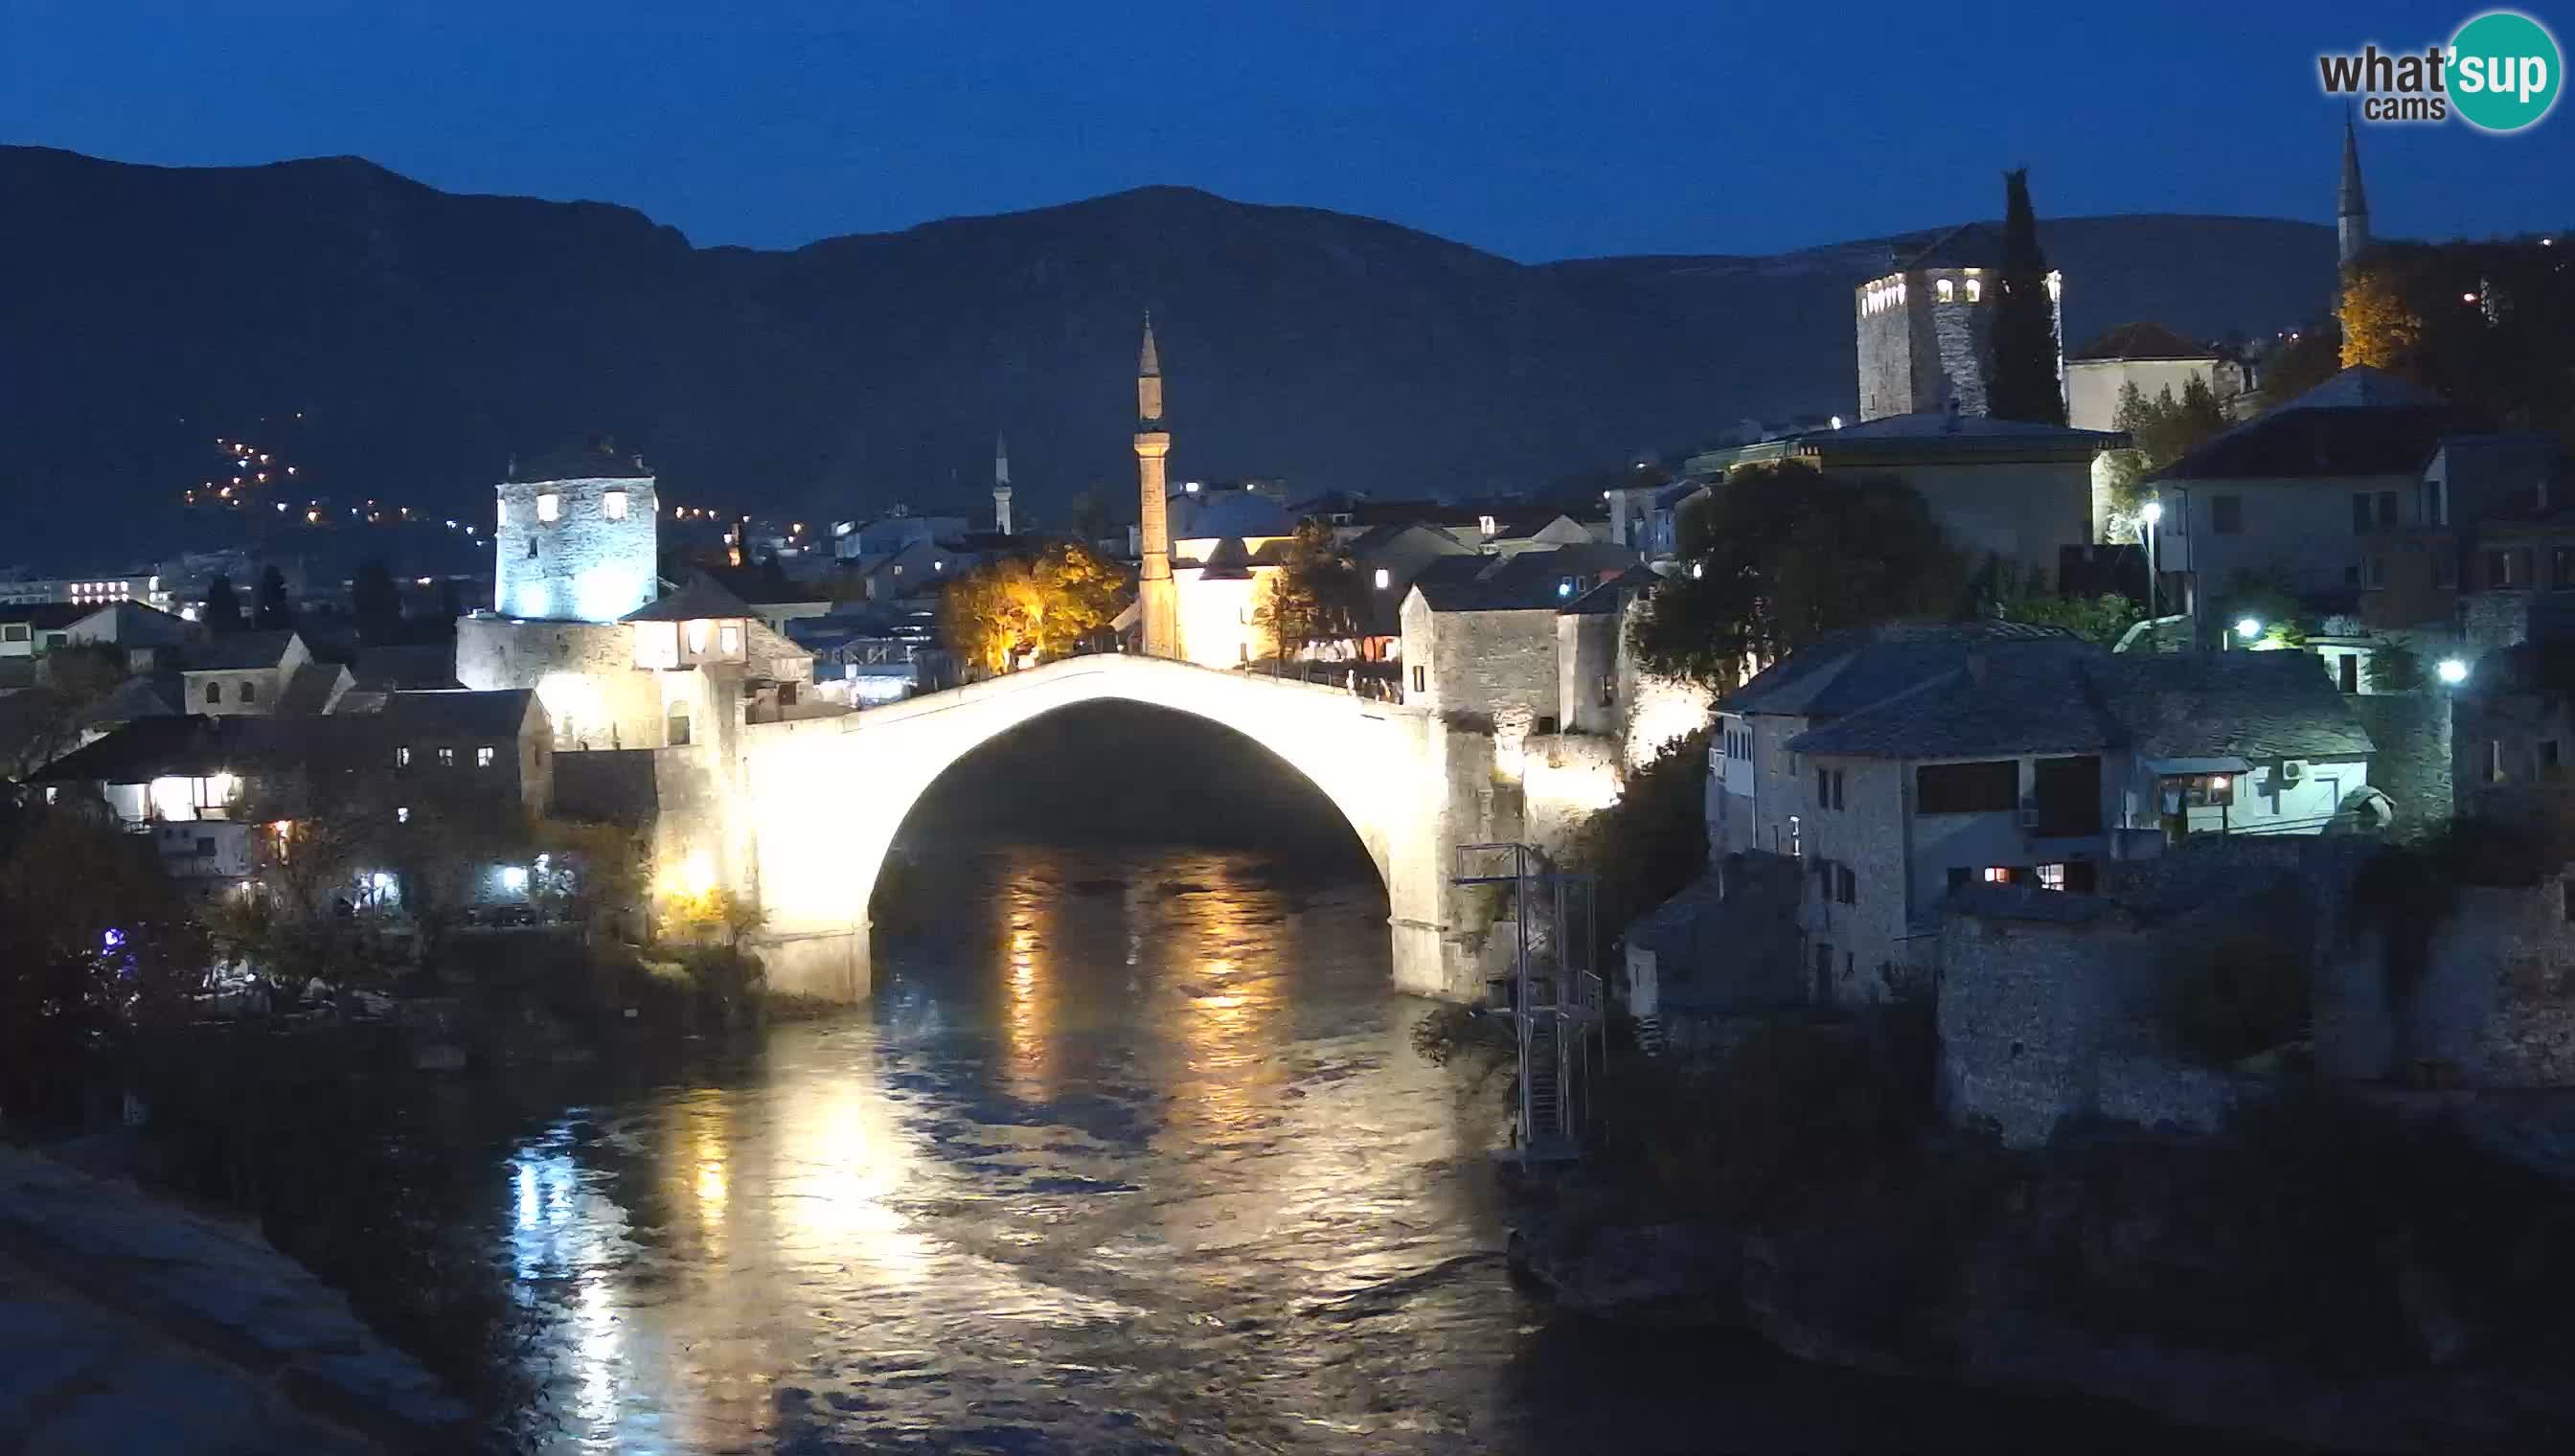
(223, 606)
(2021, 382)
(272, 611)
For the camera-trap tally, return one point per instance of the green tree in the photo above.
(40, 722)
(2013, 595)
(2164, 428)
(376, 604)
(223, 610)
(2300, 363)
(2022, 373)
(1013, 608)
(96, 943)
(274, 611)
(2394, 668)
(1314, 596)
(1780, 554)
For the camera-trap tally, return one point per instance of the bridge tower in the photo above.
(1157, 607)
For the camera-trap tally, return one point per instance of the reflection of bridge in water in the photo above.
(807, 814)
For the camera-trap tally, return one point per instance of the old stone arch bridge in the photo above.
(815, 803)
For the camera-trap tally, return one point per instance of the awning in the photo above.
(2198, 765)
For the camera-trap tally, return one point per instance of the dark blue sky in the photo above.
(1537, 131)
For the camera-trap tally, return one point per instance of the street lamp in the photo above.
(2153, 512)
(2452, 672)
(2248, 628)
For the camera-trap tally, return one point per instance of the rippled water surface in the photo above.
(1129, 1154)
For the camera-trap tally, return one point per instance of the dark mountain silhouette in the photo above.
(428, 335)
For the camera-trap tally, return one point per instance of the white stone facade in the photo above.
(575, 550)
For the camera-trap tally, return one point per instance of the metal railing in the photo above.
(1557, 997)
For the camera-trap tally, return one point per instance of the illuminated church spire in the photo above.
(1156, 603)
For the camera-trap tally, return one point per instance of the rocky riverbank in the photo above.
(2154, 1272)
(124, 1320)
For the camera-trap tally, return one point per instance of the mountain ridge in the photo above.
(431, 333)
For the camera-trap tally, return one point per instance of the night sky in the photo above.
(1536, 132)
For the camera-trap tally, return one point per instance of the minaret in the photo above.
(1157, 605)
(2352, 205)
(1001, 484)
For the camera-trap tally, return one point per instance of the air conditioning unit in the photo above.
(2291, 770)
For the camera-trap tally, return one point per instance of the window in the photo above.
(1485, 524)
(1996, 874)
(1609, 689)
(697, 633)
(2199, 790)
(401, 815)
(1796, 837)
(2494, 760)
(2069, 797)
(214, 693)
(1382, 578)
(2360, 511)
(1837, 788)
(2347, 671)
(249, 691)
(447, 758)
(1823, 791)
(1960, 788)
(505, 513)
(2387, 510)
(1948, 291)
(550, 507)
(482, 756)
(731, 640)
(1976, 290)
(613, 505)
(2547, 755)
(1421, 679)
(401, 756)
(2051, 877)
(14, 632)
(1845, 884)
(2561, 566)
(2226, 514)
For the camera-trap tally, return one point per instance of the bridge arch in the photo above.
(818, 801)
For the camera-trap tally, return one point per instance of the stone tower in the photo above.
(1157, 607)
(1001, 484)
(1925, 330)
(578, 537)
(2352, 205)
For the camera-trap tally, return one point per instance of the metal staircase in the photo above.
(1556, 994)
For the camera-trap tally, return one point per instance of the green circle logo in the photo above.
(2504, 71)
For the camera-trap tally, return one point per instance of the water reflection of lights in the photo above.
(1028, 1024)
(842, 1160)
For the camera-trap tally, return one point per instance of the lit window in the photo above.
(401, 815)
(732, 639)
(1381, 579)
(2051, 877)
(1997, 875)
(698, 636)
(482, 756)
(1976, 290)
(401, 756)
(1485, 524)
(613, 505)
(447, 758)
(938, 566)
(550, 507)
(1948, 291)
(505, 513)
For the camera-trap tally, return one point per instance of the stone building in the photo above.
(2317, 493)
(2003, 488)
(2152, 358)
(1480, 633)
(1925, 328)
(576, 537)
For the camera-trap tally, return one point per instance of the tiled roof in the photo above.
(1527, 581)
(2142, 341)
(46, 616)
(1848, 671)
(237, 652)
(458, 712)
(420, 666)
(1227, 513)
(700, 600)
(2249, 705)
(595, 458)
(2358, 423)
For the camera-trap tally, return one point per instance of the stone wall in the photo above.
(584, 672)
(2494, 1005)
(584, 565)
(607, 786)
(1587, 651)
(1484, 663)
(1566, 778)
(2413, 764)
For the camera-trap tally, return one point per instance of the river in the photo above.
(1130, 1152)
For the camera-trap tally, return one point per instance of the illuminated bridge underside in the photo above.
(823, 798)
